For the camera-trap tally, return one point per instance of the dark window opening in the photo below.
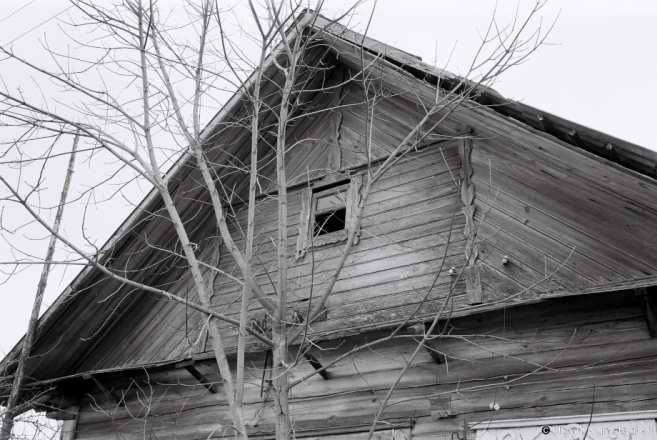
(330, 221)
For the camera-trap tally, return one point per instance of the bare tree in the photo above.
(19, 376)
(145, 113)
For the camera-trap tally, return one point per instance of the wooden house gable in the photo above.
(411, 228)
(549, 220)
(517, 212)
(98, 317)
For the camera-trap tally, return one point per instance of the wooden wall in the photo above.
(543, 205)
(561, 357)
(403, 240)
(404, 236)
(97, 313)
(549, 209)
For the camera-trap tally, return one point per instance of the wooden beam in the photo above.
(184, 364)
(611, 152)
(297, 318)
(648, 300)
(33, 403)
(472, 273)
(473, 285)
(191, 369)
(335, 119)
(545, 124)
(65, 406)
(574, 138)
(110, 393)
(70, 413)
(437, 357)
(419, 329)
(312, 360)
(390, 430)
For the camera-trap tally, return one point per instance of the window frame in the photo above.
(309, 196)
(334, 236)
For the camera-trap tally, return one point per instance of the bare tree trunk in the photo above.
(19, 376)
(283, 425)
(203, 291)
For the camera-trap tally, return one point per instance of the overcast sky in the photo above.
(598, 71)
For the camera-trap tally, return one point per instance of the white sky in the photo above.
(598, 71)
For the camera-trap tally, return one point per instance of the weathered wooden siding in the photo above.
(541, 199)
(564, 357)
(543, 205)
(558, 212)
(404, 234)
(403, 239)
(93, 315)
(564, 218)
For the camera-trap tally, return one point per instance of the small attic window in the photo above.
(327, 213)
(330, 210)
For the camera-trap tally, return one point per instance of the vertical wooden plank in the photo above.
(471, 270)
(473, 285)
(648, 303)
(353, 200)
(467, 189)
(335, 152)
(304, 223)
(199, 347)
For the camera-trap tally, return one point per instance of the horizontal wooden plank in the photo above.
(352, 409)
(497, 242)
(576, 241)
(552, 248)
(585, 215)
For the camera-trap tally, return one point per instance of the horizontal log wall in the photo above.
(562, 357)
